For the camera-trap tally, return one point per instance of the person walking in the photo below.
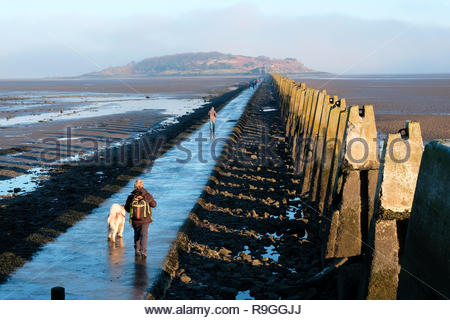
(139, 204)
(212, 121)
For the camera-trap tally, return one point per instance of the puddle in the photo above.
(170, 106)
(244, 295)
(290, 212)
(292, 270)
(26, 182)
(82, 261)
(274, 235)
(271, 253)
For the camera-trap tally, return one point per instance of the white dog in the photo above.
(116, 221)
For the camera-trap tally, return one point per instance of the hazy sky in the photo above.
(66, 38)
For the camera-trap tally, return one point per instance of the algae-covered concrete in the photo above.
(384, 268)
(351, 197)
(331, 144)
(426, 260)
(400, 161)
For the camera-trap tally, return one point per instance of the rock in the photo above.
(212, 254)
(16, 190)
(185, 278)
(246, 256)
(180, 272)
(256, 263)
(225, 251)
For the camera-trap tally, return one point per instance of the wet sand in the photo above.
(432, 126)
(87, 107)
(180, 85)
(424, 98)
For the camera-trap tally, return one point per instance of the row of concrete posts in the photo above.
(377, 203)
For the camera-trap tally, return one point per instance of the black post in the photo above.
(58, 293)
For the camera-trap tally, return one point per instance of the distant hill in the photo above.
(203, 63)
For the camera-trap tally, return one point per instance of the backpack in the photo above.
(139, 209)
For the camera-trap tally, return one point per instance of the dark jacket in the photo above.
(147, 197)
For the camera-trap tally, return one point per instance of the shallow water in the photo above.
(244, 295)
(82, 260)
(175, 107)
(26, 182)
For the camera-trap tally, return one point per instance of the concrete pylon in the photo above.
(399, 169)
(337, 117)
(426, 258)
(293, 111)
(355, 180)
(402, 153)
(298, 141)
(310, 145)
(319, 148)
(306, 128)
(298, 109)
(296, 128)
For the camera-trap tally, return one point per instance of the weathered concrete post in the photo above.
(350, 210)
(306, 128)
(310, 146)
(400, 161)
(292, 114)
(296, 129)
(319, 150)
(297, 110)
(332, 147)
(426, 259)
(298, 141)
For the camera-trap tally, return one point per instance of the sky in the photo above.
(67, 38)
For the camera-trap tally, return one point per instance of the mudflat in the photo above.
(49, 120)
(179, 85)
(424, 98)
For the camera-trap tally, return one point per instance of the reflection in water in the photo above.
(116, 251)
(140, 277)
